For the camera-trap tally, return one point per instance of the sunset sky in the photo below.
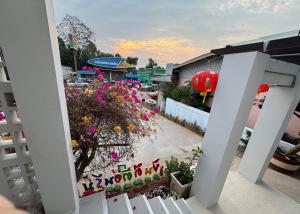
(177, 30)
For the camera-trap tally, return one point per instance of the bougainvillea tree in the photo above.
(106, 121)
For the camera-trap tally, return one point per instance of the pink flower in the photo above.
(146, 117)
(107, 85)
(90, 69)
(152, 113)
(114, 155)
(156, 109)
(2, 116)
(97, 70)
(139, 84)
(100, 90)
(92, 130)
(100, 100)
(84, 68)
(100, 78)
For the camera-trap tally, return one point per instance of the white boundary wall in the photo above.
(187, 113)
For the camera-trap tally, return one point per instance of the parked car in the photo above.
(78, 82)
(146, 87)
(150, 102)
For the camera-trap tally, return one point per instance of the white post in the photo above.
(273, 119)
(29, 42)
(240, 76)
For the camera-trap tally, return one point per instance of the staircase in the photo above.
(121, 204)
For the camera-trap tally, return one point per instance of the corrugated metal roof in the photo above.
(198, 58)
(269, 38)
(284, 46)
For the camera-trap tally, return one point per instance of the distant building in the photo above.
(146, 74)
(131, 76)
(114, 68)
(86, 74)
(166, 77)
(184, 71)
(213, 61)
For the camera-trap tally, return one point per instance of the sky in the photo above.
(173, 31)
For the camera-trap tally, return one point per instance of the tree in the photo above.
(132, 60)
(151, 63)
(117, 55)
(105, 124)
(89, 51)
(66, 55)
(102, 54)
(73, 25)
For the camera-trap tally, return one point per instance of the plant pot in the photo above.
(183, 191)
(284, 165)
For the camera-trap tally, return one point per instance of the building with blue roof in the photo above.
(114, 68)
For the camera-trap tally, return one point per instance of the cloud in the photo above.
(162, 49)
(255, 6)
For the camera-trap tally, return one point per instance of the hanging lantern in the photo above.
(263, 88)
(84, 68)
(205, 81)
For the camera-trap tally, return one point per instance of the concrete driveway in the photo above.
(171, 139)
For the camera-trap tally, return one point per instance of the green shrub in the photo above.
(147, 180)
(155, 176)
(171, 166)
(186, 174)
(186, 95)
(109, 189)
(138, 182)
(117, 188)
(127, 186)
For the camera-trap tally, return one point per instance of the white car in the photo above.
(150, 102)
(78, 83)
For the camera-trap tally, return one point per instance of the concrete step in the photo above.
(92, 204)
(119, 204)
(158, 206)
(140, 205)
(172, 206)
(184, 207)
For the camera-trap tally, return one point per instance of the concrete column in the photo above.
(240, 76)
(273, 119)
(29, 42)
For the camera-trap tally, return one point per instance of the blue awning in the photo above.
(106, 62)
(85, 72)
(129, 75)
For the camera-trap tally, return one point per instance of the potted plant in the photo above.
(182, 173)
(286, 161)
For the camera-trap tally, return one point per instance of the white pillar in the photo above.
(273, 119)
(240, 76)
(29, 42)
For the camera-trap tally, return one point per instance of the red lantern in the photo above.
(84, 68)
(205, 81)
(263, 88)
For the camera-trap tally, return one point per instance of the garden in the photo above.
(107, 121)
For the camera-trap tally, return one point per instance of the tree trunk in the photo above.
(83, 162)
